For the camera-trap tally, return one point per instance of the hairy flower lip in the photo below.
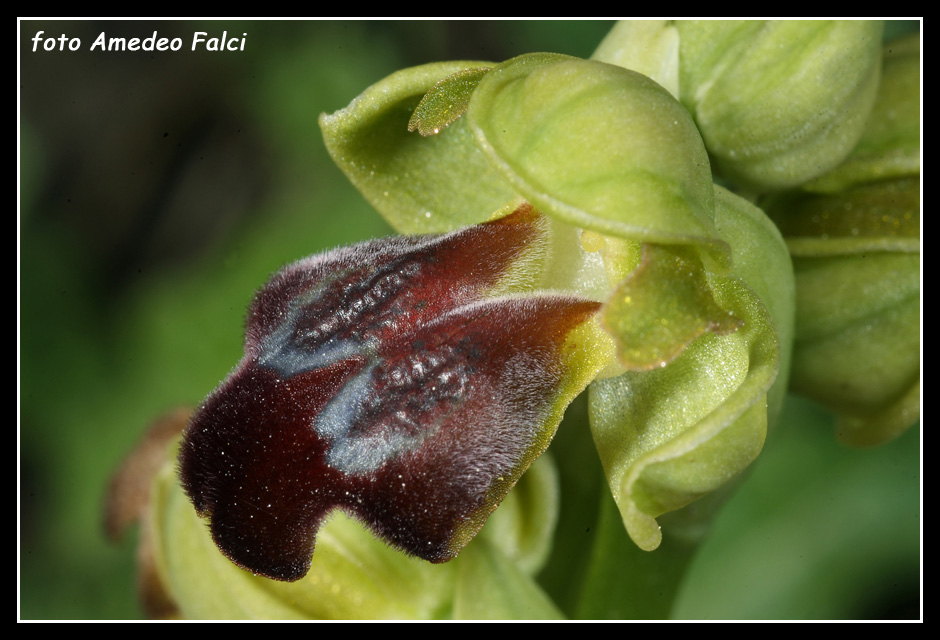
(382, 381)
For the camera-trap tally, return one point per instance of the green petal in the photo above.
(445, 102)
(855, 237)
(661, 307)
(419, 184)
(600, 147)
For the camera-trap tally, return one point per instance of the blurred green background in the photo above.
(158, 190)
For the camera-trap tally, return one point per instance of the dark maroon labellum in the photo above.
(380, 380)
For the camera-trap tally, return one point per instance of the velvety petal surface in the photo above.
(381, 380)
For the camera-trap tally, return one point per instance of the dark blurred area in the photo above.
(150, 157)
(147, 157)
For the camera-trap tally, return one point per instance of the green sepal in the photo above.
(490, 586)
(419, 184)
(523, 527)
(761, 259)
(495, 574)
(600, 147)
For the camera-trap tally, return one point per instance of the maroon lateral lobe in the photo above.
(251, 464)
(492, 373)
(383, 287)
(377, 380)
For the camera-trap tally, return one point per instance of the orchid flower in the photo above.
(563, 230)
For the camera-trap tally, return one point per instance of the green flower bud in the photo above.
(890, 144)
(854, 235)
(778, 102)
